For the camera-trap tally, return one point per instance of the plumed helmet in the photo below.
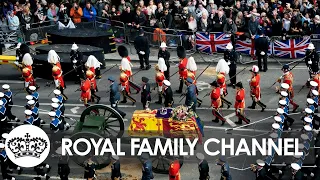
(24, 48)
(123, 51)
(53, 57)
(255, 69)
(191, 64)
(181, 52)
(27, 60)
(239, 85)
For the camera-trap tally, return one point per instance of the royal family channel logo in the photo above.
(27, 146)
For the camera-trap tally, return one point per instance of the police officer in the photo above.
(145, 93)
(63, 166)
(191, 96)
(225, 169)
(231, 58)
(259, 170)
(115, 168)
(89, 170)
(8, 96)
(115, 96)
(262, 45)
(146, 167)
(76, 58)
(203, 167)
(165, 54)
(141, 44)
(312, 60)
(167, 93)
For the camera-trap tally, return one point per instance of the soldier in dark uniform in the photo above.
(63, 168)
(293, 173)
(89, 170)
(145, 93)
(167, 93)
(225, 169)
(115, 168)
(115, 96)
(312, 60)
(262, 45)
(21, 50)
(165, 54)
(8, 96)
(259, 170)
(76, 58)
(146, 167)
(40, 170)
(191, 95)
(141, 44)
(231, 58)
(203, 167)
(4, 161)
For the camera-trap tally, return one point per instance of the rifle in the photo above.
(301, 88)
(109, 69)
(275, 82)
(20, 91)
(237, 73)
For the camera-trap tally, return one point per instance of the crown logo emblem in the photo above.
(27, 146)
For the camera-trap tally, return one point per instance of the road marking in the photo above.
(233, 109)
(73, 105)
(51, 177)
(231, 123)
(74, 110)
(225, 128)
(11, 81)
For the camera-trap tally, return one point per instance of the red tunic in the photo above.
(57, 76)
(160, 78)
(27, 75)
(124, 80)
(221, 79)
(255, 86)
(316, 79)
(92, 70)
(174, 169)
(183, 72)
(85, 90)
(288, 78)
(240, 103)
(215, 98)
(59, 65)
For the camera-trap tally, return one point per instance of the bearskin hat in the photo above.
(181, 52)
(24, 49)
(123, 51)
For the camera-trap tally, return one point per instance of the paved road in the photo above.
(239, 164)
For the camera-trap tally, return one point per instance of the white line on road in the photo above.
(231, 123)
(11, 81)
(233, 109)
(73, 105)
(51, 177)
(225, 128)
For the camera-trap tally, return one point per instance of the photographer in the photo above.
(63, 13)
(76, 13)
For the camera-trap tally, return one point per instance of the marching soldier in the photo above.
(3, 118)
(191, 95)
(54, 59)
(90, 75)
(125, 89)
(231, 58)
(174, 170)
(63, 167)
(76, 58)
(287, 78)
(86, 92)
(115, 168)
(192, 68)
(167, 93)
(223, 69)
(8, 96)
(240, 104)
(141, 44)
(216, 102)
(57, 94)
(126, 67)
(255, 88)
(40, 170)
(28, 118)
(259, 170)
(183, 72)
(165, 54)
(4, 161)
(145, 93)
(35, 113)
(160, 77)
(146, 167)
(56, 124)
(312, 60)
(93, 65)
(203, 167)
(90, 170)
(262, 45)
(34, 94)
(225, 169)
(27, 72)
(294, 173)
(58, 79)
(115, 96)
(123, 52)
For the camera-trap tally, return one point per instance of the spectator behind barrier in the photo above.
(52, 13)
(89, 12)
(76, 13)
(13, 21)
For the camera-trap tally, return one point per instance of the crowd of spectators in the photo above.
(273, 17)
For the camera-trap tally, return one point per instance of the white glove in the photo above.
(228, 63)
(160, 88)
(309, 62)
(16, 62)
(262, 53)
(113, 105)
(56, 82)
(26, 84)
(221, 91)
(280, 172)
(17, 58)
(74, 61)
(312, 175)
(27, 26)
(142, 53)
(122, 88)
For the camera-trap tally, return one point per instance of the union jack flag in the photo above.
(249, 47)
(209, 43)
(291, 48)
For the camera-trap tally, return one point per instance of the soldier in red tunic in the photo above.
(287, 78)
(160, 68)
(125, 89)
(183, 72)
(54, 59)
(240, 104)
(86, 91)
(174, 170)
(255, 88)
(27, 72)
(123, 52)
(93, 64)
(58, 80)
(92, 77)
(216, 102)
